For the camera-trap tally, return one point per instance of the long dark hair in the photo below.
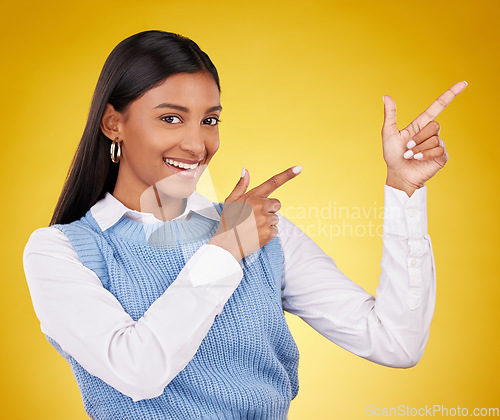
(136, 65)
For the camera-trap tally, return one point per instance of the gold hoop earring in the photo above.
(115, 150)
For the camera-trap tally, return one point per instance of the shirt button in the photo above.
(411, 212)
(413, 262)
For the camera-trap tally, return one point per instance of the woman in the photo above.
(169, 306)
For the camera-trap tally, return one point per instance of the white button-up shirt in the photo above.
(139, 358)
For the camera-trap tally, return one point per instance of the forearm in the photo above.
(138, 358)
(406, 292)
(390, 330)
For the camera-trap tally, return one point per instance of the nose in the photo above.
(193, 141)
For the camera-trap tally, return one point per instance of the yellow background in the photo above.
(302, 83)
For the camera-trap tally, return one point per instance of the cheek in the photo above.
(142, 131)
(213, 145)
(147, 144)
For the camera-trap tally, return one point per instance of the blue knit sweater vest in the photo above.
(246, 366)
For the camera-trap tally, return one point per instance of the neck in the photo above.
(149, 200)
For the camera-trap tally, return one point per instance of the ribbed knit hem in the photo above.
(274, 412)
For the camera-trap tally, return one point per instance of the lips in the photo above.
(181, 165)
(184, 168)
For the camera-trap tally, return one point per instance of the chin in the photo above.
(180, 185)
(176, 188)
(167, 192)
(179, 192)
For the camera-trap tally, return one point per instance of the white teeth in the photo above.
(181, 164)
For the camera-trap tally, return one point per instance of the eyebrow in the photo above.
(184, 109)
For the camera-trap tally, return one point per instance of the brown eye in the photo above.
(211, 121)
(171, 119)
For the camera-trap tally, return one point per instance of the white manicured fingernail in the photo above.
(411, 144)
(418, 156)
(243, 172)
(466, 84)
(408, 154)
(297, 169)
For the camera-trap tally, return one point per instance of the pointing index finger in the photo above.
(439, 104)
(276, 181)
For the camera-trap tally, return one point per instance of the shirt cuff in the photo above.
(405, 216)
(213, 269)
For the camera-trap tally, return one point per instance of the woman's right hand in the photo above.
(248, 220)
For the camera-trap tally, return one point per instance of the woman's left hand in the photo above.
(414, 154)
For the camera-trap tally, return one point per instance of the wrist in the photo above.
(227, 241)
(399, 183)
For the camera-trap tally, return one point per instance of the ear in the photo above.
(110, 122)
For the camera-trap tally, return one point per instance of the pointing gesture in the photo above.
(414, 154)
(249, 219)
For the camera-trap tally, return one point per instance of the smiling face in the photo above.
(171, 126)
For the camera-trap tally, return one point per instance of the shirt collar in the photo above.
(109, 210)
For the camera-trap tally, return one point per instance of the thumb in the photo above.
(390, 125)
(241, 186)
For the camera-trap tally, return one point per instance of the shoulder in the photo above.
(53, 269)
(47, 239)
(47, 251)
(288, 231)
(48, 244)
(63, 243)
(284, 222)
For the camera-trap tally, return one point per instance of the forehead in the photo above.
(191, 90)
